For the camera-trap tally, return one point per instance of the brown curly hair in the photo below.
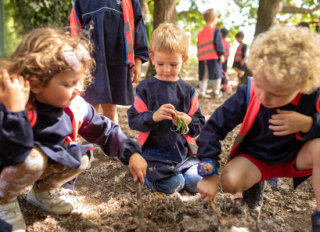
(40, 55)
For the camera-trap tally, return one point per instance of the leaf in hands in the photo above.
(182, 127)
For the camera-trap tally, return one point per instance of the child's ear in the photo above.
(35, 85)
(184, 60)
(151, 58)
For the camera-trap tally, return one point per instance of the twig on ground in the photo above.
(131, 189)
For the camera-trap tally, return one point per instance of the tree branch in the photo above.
(287, 8)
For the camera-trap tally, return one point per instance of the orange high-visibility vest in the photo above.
(206, 50)
(238, 55)
(140, 106)
(129, 28)
(226, 47)
(252, 112)
(77, 111)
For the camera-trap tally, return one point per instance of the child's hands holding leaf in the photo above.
(166, 111)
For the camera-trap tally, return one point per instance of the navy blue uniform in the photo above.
(214, 65)
(17, 138)
(112, 82)
(260, 142)
(165, 150)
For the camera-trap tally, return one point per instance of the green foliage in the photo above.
(252, 7)
(21, 16)
(29, 14)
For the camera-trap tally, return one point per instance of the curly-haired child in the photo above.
(160, 102)
(38, 133)
(279, 112)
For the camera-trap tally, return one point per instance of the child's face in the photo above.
(271, 95)
(239, 39)
(61, 89)
(168, 65)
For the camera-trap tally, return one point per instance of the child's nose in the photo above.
(79, 88)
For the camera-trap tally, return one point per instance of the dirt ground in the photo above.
(105, 199)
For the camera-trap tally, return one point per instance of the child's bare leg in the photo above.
(309, 158)
(239, 174)
(110, 111)
(14, 179)
(96, 107)
(56, 175)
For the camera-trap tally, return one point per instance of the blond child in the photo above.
(160, 101)
(239, 63)
(210, 54)
(279, 112)
(39, 132)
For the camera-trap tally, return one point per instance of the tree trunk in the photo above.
(268, 9)
(164, 11)
(2, 30)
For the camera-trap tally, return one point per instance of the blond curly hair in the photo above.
(40, 54)
(288, 56)
(169, 38)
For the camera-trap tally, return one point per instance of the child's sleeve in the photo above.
(198, 120)
(314, 132)
(109, 136)
(141, 39)
(16, 137)
(244, 51)
(139, 116)
(224, 119)
(218, 45)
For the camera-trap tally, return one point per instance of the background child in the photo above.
(210, 54)
(46, 154)
(159, 102)
(226, 46)
(119, 50)
(240, 56)
(280, 131)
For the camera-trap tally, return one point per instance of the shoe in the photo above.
(11, 214)
(204, 96)
(49, 201)
(315, 218)
(217, 96)
(253, 197)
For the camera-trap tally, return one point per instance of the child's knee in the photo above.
(85, 163)
(170, 185)
(36, 161)
(230, 181)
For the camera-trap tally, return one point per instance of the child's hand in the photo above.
(14, 92)
(186, 118)
(136, 70)
(289, 122)
(138, 167)
(208, 187)
(222, 60)
(166, 111)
